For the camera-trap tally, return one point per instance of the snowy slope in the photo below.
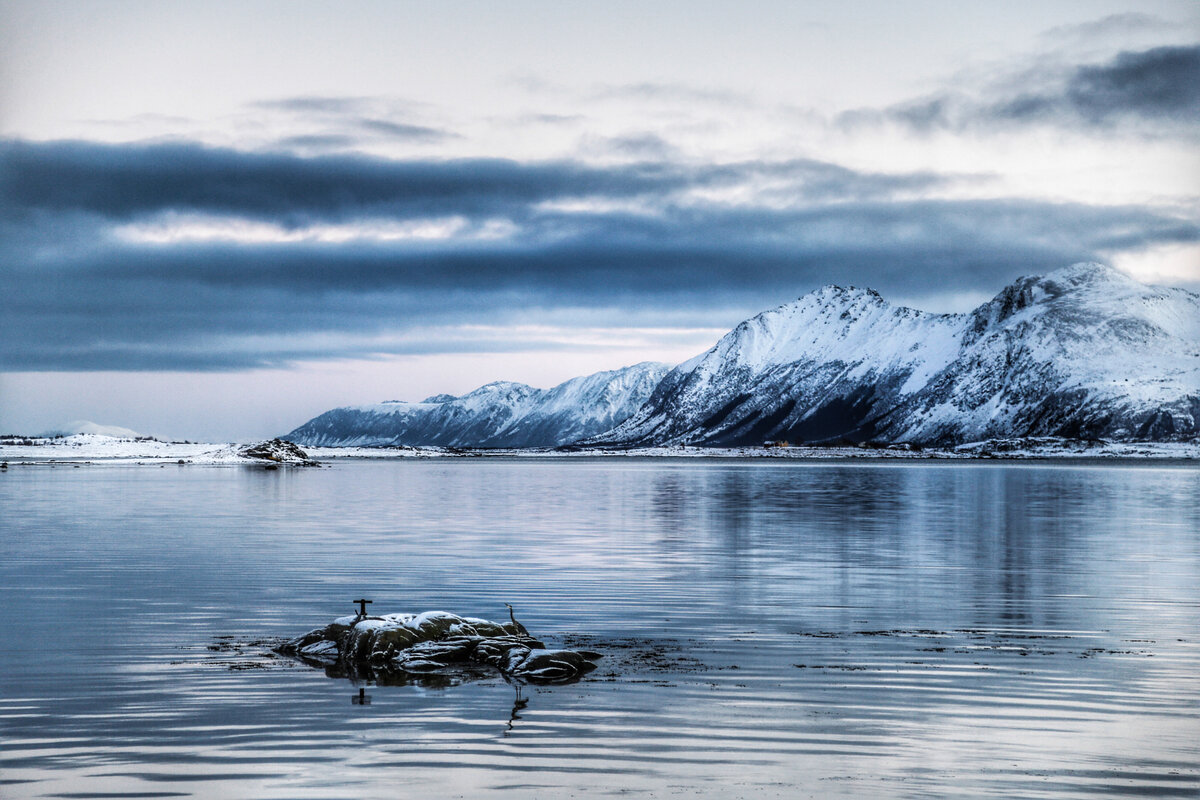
(500, 414)
(1084, 351)
(808, 370)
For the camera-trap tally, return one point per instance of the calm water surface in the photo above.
(770, 630)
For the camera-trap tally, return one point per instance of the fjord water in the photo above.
(770, 629)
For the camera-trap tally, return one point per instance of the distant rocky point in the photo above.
(278, 451)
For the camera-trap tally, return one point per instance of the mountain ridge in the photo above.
(1081, 352)
(499, 414)
(1024, 363)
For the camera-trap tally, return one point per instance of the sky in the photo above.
(218, 220)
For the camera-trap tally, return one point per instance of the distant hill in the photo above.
(499, 414)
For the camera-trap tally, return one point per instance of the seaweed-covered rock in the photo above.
(278, 451)
(437, 641)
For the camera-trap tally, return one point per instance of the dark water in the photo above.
(771, 630)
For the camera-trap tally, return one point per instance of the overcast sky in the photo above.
(219, 219)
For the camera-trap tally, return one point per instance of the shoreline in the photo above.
(93, 450)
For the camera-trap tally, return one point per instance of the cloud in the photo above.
(319, 141)
(523, 239)
(634, 145)
(665, 92)
(124, 181)
(315, 104)
(1113, 25)
(1155, 91)
(339, 121)
(127, 181)
(1162, 84)
(398, 130)
(639, 92)
(549, 119)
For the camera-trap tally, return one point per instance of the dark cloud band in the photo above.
(74, 295)
(130, 181)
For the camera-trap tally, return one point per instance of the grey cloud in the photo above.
(654, 91)
(1122, 24)
(320, 141)
(550, 119)
(125, 181)
(1154, 91)
(712, 249)
(349, 116)
(398, 130)
(671, 92)
(1159, 85)
(73, 296)
(635, 145)
(1163, 83)
(312, 104)
(131, 181)
(149, 308)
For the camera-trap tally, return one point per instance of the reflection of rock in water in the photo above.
(434, 648)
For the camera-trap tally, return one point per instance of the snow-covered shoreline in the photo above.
(91, 448)
(96, 449)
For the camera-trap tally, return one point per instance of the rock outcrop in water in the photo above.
(437, 641)
(278, 451)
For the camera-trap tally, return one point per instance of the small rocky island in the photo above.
(277, 451)
(393, 645)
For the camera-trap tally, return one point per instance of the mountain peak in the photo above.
(499, 386)
(1086, 273)
(1083, 351)
(1087, 281)
(832, 292)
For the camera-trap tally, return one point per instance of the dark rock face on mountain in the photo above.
(437, 642)
(1083, 352)
(496, 415)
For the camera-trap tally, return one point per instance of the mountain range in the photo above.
(500, 414)
(1082, 352)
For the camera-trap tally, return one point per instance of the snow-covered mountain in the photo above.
(500, 414)
(1084, 351)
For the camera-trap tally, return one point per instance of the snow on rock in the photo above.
(279, 451)
(436, 641)
(497, 415)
